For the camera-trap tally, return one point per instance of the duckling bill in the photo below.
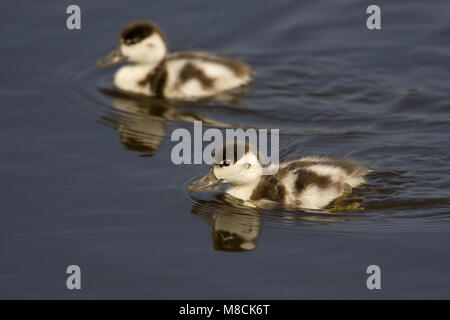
(181, 75)
(310, 182)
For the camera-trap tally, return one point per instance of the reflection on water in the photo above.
(237, 224)
(141, 121)
(235, 229)
(330, 86)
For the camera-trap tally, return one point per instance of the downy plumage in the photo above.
(183, 75)
(310, 182)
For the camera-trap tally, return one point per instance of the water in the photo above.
(87, 177)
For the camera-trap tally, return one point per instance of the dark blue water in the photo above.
(86, 177)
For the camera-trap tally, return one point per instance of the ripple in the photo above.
(309, 122)
(77, 89)
(378, 209)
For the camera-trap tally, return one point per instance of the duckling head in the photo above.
(141, 42)
(235, 163)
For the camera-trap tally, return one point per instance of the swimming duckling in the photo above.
(182, 75)
(309, 182)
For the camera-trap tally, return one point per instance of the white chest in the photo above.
(128, 79)
(243, 192)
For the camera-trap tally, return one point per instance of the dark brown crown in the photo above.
(231, 152)
(139, 30)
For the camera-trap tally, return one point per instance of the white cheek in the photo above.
(134, 51)
(150, 50)
(228, 174)
(236, 171)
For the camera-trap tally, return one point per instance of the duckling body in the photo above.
(182, 75)
(308, 182)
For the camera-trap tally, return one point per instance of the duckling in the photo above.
(310, 182)
(184, 75)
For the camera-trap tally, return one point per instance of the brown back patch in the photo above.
(238, 67)
(190, 71)
(307, 177)
(349, 167)
(269, 188)
(157, 79)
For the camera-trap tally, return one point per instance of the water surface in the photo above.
(87, 177)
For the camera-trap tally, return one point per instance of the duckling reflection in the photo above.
(235, 229)
(141, 121)
(236, 226)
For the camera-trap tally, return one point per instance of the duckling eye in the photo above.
(225, 163)
(131, 41)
